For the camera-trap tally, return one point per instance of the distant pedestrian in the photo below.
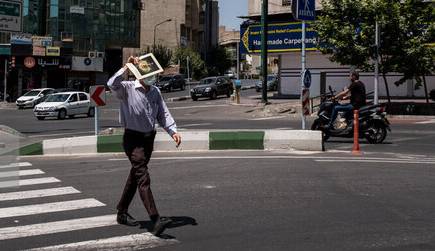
(142, 106)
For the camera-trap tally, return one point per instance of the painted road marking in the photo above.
(57, 227)
(49, 207)
(38, 193)
(331, 158)
(28, 182)
(19, 164)
(129, 242)
(193, 125)
(196, 106)
(395, 161)
(432, 121)
(20, 173)
(268, 118)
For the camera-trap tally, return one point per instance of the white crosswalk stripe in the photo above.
(120, 243)
(20, 164)
(20, 173)
(38, 193)
(57, 227)
(127, 242)
(49, 207)
(28, 182)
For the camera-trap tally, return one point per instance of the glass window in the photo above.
(73, 98)
(83, 96)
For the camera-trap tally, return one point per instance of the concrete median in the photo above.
(192, 141)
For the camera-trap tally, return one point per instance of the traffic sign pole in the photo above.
(98, 98)
(96, 120)
(6, 81)
(302, 74)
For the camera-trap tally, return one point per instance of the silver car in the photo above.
(33, 97)
(61, 105)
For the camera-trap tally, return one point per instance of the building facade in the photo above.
(172, 23)
(70, 43)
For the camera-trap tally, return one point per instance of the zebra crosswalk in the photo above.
(21, 182)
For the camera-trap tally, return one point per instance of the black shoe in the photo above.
(126, 219)
(160, 225)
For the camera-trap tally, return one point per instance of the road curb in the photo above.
(192, 141)
(178, 98)
(182, 98)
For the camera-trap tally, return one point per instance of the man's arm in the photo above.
(165, 120)
(115, 83)
(342, 94)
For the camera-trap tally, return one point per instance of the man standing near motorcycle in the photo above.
(357, 92)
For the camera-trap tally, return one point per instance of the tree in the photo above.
(418, 29)
(196, 64)
(346, 31)
(162, 53)
(218, 61)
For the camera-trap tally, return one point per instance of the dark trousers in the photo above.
(138, 147)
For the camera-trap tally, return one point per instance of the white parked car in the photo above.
(65, 104)
(33, 97)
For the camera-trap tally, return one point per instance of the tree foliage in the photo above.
(346, 31)
(197, 65)
(218, 61)
(162, 53)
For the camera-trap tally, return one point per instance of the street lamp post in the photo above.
(155, 27)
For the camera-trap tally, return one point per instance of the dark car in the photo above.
(171, 82)
(212, 87)
(272, 84)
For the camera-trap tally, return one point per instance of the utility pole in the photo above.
(376, 87)
(264, 24)
(188, 69)
(303, 61)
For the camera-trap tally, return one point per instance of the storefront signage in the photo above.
(38, 51)
(53, 51)
(29, 62)
(21, 38)
(5, 50)
(10, 16)
(285, 37)
(87, 64)
(42, 41)
(77, 10)
(48, 62)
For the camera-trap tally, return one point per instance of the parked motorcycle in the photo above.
(373, 124)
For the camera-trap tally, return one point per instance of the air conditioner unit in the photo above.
(92, 54)
(100, 54)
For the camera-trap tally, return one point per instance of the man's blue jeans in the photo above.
(339, 108)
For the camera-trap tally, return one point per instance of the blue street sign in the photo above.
(282, 37)
(304, 9)
(307, 78)
(238, 83)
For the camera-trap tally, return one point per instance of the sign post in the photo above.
(98, 98)
(304, 10)
(5, 86)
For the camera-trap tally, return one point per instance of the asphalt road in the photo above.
(233, 201)
(415, 136)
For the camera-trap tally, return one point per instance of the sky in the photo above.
(229, 10)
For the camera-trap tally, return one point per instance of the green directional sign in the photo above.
(10, 16)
